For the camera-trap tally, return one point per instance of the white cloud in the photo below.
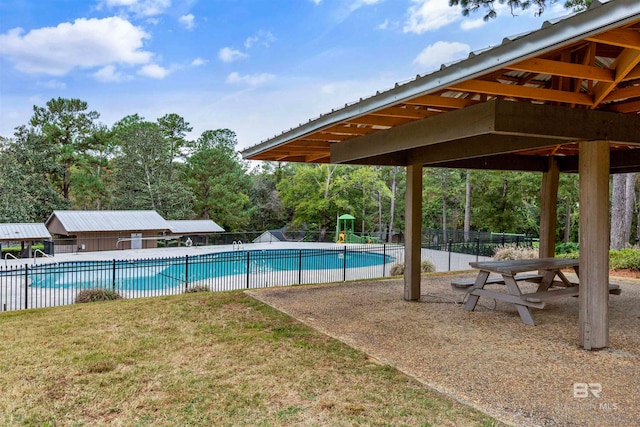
(264, 38)
(430, 15)
(139, 7)
(53, 84)
(188, 21)
(109, 74)
(316, 2)
(198, 62)
(441, 53)
(471, 24)
(85, 43)
(249, 79)
(228, 54)
(384, 25)
(154, 71)
(348, 7)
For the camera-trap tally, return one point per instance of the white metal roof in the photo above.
(24, 231)
(201, 226)
(87, 221)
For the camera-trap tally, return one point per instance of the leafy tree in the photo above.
(315, 195)
(506, 201)
(174, 128)
(16, 204)
(141, 172)
(219, 181)
(27, 194)
(443, 199)
(66, 126)
(270, 212)
(469, 6)
(91, 174)
(364, 188)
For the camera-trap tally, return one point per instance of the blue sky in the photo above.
(257, 67)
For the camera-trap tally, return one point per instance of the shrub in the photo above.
(624, 259)
(397, 269)
(570, 255)
(567, 248)
(511, 251)
(96, 294)
(427, 266)
(199, 288)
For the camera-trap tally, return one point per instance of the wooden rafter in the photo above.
(563, 69)
(526, 92)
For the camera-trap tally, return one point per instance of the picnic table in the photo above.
(552, 283)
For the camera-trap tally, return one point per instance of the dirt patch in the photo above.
(630, 274)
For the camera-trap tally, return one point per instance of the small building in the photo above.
(24, 234)
(280, 235)
(194, 229)
(106, 230)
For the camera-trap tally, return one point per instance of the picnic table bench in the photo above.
(552, 283)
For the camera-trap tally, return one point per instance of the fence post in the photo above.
(344, 264)
(517, 241)
(26, 286)
(384, 259)
(113, 276)
(300, 267)
(477, 248)
(186, 272)
(450, 241)
(248, 267)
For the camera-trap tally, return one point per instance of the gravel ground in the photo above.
(522, 375)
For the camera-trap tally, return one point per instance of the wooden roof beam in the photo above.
(492, 88)
(514, 126)
(622, 66)
(563, 69)
(623, 93)
(348, 130)
(409, 112)
(371, 120)
(620, 37)
(436, 101)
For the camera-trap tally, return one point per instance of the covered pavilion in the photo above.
(564, 98)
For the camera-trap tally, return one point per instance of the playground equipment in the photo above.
(345, 231)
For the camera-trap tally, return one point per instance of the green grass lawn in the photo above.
(198, 359)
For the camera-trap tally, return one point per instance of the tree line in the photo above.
(64, 158)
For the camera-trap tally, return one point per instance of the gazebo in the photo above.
(564, 98)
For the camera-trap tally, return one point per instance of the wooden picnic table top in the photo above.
(513, 267)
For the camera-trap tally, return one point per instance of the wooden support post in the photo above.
(549, 209)
(594, 244)
(413, 233)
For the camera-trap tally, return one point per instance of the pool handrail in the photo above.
(7, 255)
(36, 251)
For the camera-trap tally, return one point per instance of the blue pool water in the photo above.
(170, 272)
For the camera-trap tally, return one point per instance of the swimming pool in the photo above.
(164, 273)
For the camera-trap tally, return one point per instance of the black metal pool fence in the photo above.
(38, 283)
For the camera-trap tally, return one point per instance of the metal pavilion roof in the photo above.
(91, 221)
(588, 60)
(203, 226)
(23, 231)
